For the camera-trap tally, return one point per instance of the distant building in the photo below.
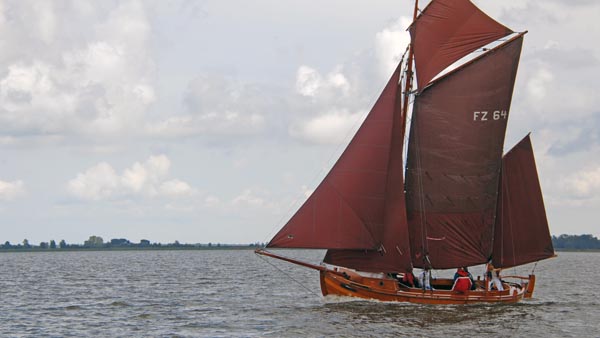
(119, 242)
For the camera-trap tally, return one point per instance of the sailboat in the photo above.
(456, 201)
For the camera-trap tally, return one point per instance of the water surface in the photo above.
(228, 293)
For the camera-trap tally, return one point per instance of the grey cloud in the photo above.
(575, 58)
(587, 136)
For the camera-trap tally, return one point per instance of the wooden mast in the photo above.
(408, 83)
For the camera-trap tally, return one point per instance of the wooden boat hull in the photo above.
(387, 289)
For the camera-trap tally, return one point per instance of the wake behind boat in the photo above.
(457, 201)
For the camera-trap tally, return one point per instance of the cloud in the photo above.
(96, 183)
(325, 100)
(11, 190)
(216, 106)
(250, 198)
(583, 187)
(332, 127)
(174, 188)
(331, 105)
(148, 179)
(390, 45)
(257, 199)
(212, 201)
(538, 84)
(212, 123)
(94, 81)
(310, 82)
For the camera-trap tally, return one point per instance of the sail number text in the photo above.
(488, 115)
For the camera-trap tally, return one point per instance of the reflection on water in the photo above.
(234, 293)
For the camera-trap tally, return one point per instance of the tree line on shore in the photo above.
(97, 242)
(576, 242)
(562, 242)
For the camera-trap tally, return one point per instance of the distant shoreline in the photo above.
(562, 243)
(576, 250)
(162, 248)
(188, 248)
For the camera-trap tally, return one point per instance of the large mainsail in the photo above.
(521, 233)
(347, 210)
(454, 159)
(446, 31)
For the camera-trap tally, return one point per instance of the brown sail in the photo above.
(347, 209)
(454, 158)
(521, 234)
(446, 31)
(454, 209)
(393, 255)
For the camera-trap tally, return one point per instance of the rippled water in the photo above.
(234, 293)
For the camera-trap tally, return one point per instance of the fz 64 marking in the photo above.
(486, 115)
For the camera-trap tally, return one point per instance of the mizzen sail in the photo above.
(521, 234)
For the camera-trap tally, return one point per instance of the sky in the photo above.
(212, 121)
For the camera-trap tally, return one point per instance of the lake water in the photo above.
(233, 293)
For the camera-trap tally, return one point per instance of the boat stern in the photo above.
(530, 286)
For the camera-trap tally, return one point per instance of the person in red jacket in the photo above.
(462, 281)
(408, 279)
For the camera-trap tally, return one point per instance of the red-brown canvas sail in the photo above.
(446, 31)
(347, 209)
(394, 253)
(521, 234)
(454, 158)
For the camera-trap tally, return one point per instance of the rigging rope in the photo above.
(287, 275)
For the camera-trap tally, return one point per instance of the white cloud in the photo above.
(211, 123)
(309, 82)
(217, 106)
(96, 183)
(249, 198)
(212, 201)
(337, 102)
(96, 80)
(258, 199)
(537, 85)
(145, 177)
(333, 127)
(11, 190)
(326, 118)
(148, 179)
(390, 44)
(175, 188)
(583, 186)
(43, 20)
